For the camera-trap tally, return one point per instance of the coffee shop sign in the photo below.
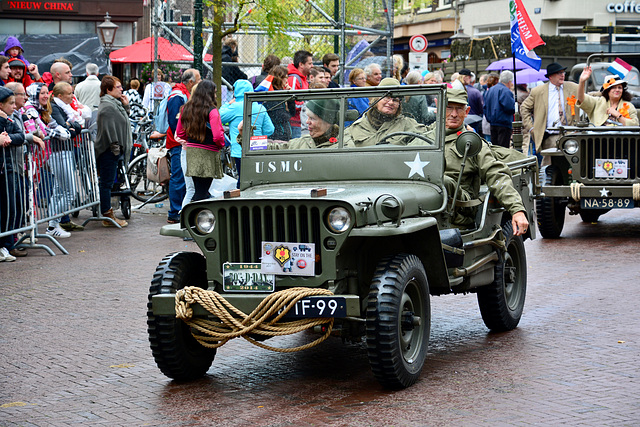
(626, 7)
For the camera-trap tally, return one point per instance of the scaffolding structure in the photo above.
(169, 19)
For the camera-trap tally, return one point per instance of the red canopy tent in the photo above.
(142, 52)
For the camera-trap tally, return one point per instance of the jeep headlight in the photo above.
(339, 220)
(570, 146)
(205, 221)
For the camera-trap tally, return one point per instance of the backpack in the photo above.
(161, 120)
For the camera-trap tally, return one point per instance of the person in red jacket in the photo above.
(19, 73)
(298, 72)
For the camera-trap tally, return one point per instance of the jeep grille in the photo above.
(243, 229)
(608, 147)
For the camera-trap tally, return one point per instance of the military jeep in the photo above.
(371, 226)
(592, 170)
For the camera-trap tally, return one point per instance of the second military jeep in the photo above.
(593, 170)
(369, 226)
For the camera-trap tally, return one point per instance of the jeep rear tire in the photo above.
(176, 352)
(550, 210)
(398, 321)
(501, 303)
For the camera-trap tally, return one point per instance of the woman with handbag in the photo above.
(113, 142)
(200, 126)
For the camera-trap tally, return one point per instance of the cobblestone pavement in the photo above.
(74, 348)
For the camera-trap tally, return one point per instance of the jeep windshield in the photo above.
(367, 118)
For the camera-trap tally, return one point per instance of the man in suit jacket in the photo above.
(541, 110)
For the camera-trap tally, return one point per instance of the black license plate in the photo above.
(319, 307)
(608, 203)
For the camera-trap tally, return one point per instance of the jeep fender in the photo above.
(419, 236)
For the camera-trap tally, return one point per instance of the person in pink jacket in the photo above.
(201, 129)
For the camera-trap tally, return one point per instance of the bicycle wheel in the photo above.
(143, 189)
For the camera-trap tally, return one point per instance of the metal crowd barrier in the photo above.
(37, 186)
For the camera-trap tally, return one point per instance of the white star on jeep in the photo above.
(416, 166)
(604, 192)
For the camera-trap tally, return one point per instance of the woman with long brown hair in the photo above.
(200, 126)
(280, 113)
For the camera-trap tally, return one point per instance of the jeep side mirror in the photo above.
(471, 139)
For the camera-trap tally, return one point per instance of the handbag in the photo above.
(158, 166)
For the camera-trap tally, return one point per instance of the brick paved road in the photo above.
(74, 349)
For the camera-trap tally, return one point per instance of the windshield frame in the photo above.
(342, 94)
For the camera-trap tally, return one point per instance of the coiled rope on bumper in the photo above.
(636, 191)
(575, 190)
(232, 323)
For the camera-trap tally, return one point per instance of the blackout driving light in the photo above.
(205, 221)
(339, 220)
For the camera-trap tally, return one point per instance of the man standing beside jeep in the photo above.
(548, 106)
(482, 168)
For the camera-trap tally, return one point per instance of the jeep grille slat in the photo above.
(243, 229)
(609, 147)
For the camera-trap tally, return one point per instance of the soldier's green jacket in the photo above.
(362, 134)
(482, 168)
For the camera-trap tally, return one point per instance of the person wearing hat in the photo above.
(19, 73)
(613, 107)
(483, 168)
(383, 118)
(548, 106)
(322, 121)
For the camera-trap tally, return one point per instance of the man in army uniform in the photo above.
(383, 119)
(482, 168)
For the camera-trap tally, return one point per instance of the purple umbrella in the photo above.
(530, 75)
(506, 64)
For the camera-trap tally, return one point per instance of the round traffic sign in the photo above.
(418, 43)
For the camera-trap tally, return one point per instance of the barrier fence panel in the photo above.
(40, 186)
(14, 200)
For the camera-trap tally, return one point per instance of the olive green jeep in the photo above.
(370, 227)
(593, 169)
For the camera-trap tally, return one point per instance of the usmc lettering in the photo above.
(279, 166)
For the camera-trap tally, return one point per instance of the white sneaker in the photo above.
(6, 256)
(58, 232)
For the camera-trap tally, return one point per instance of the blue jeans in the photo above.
(177, 187)
(63, 166)
(296, 132)
(107, 168)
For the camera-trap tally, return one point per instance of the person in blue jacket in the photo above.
(231, 115)
(499, 107)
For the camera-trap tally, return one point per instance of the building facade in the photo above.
(480, 18)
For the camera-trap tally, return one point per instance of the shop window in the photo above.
(78, 27)
(124, 35)
(491, 30)
(42, 27)
(572, 28)
(12, 26)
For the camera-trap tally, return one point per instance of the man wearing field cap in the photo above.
(384, 118)
(483, 168)
(549, 106)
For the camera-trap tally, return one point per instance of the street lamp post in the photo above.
(107, 33)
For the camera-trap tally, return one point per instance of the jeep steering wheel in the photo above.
(385, 139)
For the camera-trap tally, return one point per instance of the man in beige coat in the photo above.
(541, 110)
